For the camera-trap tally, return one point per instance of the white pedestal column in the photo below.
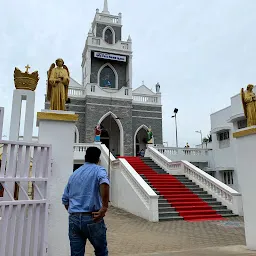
(57, 128)
(18, 97)
(246, 166)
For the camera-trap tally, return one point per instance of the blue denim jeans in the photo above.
(81, 228)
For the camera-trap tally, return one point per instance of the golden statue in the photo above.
(57, 88)
(249, 104)
(25, 81)
(150, 136)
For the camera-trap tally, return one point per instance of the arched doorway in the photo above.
(112, 133)
(140, 139)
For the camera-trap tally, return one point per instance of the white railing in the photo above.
(147, 99)
(108, 18)
(80, 150)
(164, 162)
(189, 154)
(119, 45)
(125, 46)
(24, 217)
(228, 196)
(131, 193)
(96, 41)
(76, 92)
(1, 121)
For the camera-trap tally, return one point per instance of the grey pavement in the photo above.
(131, 235)
(220, 251)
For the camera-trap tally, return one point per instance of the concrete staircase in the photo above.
(169, 212)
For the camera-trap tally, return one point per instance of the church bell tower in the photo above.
(106, 59)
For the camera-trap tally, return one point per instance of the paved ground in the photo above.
(130, 235)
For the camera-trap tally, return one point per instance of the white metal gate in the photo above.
(24, 173)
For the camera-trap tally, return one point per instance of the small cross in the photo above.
(27, 68)
(143, 82)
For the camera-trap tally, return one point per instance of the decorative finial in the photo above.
(105, 9)
(129, 38)
(27, 68)
(97, 10)
(143, 82)
(25, 81)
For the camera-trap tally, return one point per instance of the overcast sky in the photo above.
(200, 51)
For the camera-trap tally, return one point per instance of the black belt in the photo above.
(82, 213)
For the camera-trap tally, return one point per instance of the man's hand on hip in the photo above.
(100, 214)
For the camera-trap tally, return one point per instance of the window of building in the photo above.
(223, 138)
(107, 78)
(223, 135)
(228, 177)
(242, 124)
(108, 37)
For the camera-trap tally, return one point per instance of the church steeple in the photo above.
(105, 9)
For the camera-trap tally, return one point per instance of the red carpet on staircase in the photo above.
(187, 204)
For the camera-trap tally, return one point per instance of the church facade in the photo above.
(106, 97)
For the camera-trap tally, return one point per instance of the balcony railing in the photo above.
(189, 154)
(124, 93)
(120, 45)
(146, 99)
(76, 92)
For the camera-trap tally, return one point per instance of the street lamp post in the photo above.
(201, 137)
(175, 111)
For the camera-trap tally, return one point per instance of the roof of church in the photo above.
(143, 89)
(74, 83)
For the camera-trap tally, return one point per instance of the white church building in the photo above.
(106, 96)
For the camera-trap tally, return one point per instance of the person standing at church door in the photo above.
(86, 198)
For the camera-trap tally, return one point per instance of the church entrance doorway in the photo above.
(140, 139)
(112, 134)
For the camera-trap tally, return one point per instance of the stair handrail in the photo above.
(210, 178)
(141, 184)
(227, 195)
(163, 161)
(142, 201)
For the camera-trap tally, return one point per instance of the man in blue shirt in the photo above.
(86, 198)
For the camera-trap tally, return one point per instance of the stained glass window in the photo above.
(109, 36)
(107, 78)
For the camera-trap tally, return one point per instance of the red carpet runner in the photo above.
(189, 205)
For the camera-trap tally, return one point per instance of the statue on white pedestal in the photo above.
(57, 88)
(249, 104)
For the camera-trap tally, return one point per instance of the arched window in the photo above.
(107, 78)
(109, 36)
